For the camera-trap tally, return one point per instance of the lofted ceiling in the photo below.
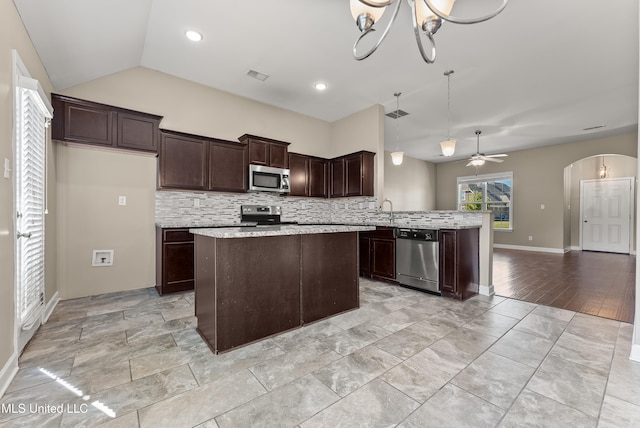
(537, 74)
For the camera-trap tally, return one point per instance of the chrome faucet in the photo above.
(390, 209)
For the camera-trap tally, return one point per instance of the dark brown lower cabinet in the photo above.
(378, 254)
(174, 260)
(459, 263)
(329, 275)
(246, 291)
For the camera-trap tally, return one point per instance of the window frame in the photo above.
(482, 180)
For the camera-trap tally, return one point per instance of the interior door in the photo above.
(606, 214)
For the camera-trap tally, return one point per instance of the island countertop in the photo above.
(278, 230)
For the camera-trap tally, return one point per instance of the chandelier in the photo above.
(427, 17)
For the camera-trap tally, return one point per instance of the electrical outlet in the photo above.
(530, 238)
(541, 206)
(122, 200)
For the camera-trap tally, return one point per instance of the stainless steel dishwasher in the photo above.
(417, 259)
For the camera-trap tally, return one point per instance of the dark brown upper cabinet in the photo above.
(359, 174)
(265, 151)
(85, 122)
(336, 177)
(318, 177)
(228, 166)
(308, 175)
(182, 162)
(192, 162)
(352, 175)
(298, 176)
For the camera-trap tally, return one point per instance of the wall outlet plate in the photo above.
(102, 258)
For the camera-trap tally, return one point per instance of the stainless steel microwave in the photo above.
(268, 179)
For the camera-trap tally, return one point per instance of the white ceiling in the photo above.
(537, 74)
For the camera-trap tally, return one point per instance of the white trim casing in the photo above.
(487, 290)
(8, 372)
(635, 353)
(48, 310)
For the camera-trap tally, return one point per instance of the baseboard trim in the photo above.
(526, 248)
(635, 353)
(53, 302)
(8, 372)
(487, 290)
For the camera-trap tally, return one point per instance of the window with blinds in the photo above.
(32, 116)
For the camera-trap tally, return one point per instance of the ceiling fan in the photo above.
(479, 159)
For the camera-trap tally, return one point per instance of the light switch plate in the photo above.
(7, 168)
(122, 200)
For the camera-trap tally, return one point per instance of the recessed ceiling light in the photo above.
(320, 86)
(193, 35)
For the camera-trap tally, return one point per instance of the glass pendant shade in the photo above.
(477, 162)
(358, 8)
(425, 17)
(396, 158)
(443, 7)
(448, 147)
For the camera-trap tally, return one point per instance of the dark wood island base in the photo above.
(250, 288)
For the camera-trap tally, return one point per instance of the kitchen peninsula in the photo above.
(254, 282)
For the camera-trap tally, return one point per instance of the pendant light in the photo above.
(603, 169)
(396, 157)
(448, 147)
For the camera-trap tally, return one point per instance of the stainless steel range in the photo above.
(262, 214)
(417, 259)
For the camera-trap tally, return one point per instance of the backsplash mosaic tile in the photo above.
(195, 209)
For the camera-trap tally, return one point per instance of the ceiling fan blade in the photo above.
(501, 155)
(469, 164)
(492, 159)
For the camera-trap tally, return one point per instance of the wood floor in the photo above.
(601, 284)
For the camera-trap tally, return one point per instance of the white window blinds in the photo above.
(32, 115)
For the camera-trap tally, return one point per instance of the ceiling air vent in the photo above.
(591, 128)
(396, 114)
(257, 75)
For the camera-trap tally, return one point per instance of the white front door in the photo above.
(606, 214)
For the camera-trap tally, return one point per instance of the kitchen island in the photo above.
(254, 282)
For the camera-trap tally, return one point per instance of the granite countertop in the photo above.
(244, 232)
(429, 225)
(181, 224)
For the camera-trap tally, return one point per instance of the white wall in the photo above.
(410, 186)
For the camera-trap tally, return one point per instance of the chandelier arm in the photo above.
(416, 30)
(370, 30)
(377, 4)
(455, 20)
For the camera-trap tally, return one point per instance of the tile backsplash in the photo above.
(206, 208)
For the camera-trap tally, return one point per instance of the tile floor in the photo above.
(404, 358)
